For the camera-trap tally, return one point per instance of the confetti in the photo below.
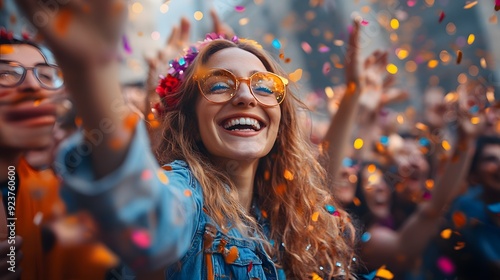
(364, 22)
(497, 5)
(366, 237)
(188, 193)
(495, 208)
(329, 208)
(239, 9)
(470, 4)
(296, 75)
(37, 220)
(441, 17)
(459, 246)
(62, 22)
(446, 234)
(162, 176)
(126, 44)
(459, 219)
(146, 175)
(276, 44)
(459, 57)
(6, 49)
(384, 273)
(250, 266)
(316, 276)
(323, 49)
(288, 175)
(326, 68)
(445, 265)
(231, 255)
(306, 47)
(315, 216)
(280, 189)
(141, 238)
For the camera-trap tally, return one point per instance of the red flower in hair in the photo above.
(167, 90)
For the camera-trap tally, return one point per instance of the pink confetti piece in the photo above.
(146, 175)
(306, 47)
(445, 265)
(497, 5)
(364, 22)
(240, 9)
(411, 3)
(141, 238)
(441, 16)
(126, 45)
(326, 68)
(323, 49)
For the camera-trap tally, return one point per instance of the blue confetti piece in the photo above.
(271, 242)
(276, 44)
(330, 208)
(370, 276)
(384, 140)
(347, 162)
(474, 109)
(495, 208)
(424, 141)
(182, 61)
(365, 237)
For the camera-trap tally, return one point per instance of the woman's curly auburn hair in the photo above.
(315, 240)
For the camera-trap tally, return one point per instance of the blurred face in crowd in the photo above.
(435, 107)
(488, 171)
(376, 191)
(26, 119)
(413, 169)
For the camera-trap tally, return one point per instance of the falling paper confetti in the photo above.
(384, 273)
(306, 47)
(126, 45)
(141, 238)
(239, 9)
(470, 4)
(441, 17)
(497, 5)
(63, 20)
(276, 44)
(459, 57)
(445, 265)
(326, 68)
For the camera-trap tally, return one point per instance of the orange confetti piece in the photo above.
(446, 234)
(6, 49)
(116, 143)
(63, 20)
(264, 213)
(167, 168)
(162, 176)
(288, 175)
(130, 121)
(315, 216)
(232, 255)
(459, 246)
(37, 102)
(384, 273)
(356, 201)
(280, 189)
(267, 175)
(459, 219)
(296, 75)
(470, 4)
(188, 193)
(459, 57)
(316, 277)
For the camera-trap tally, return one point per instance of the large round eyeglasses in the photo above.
(12, 74)
(220, 86)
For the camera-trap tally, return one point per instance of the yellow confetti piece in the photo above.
(162, 176)
(433, 63)
(400, 119)
(296, 75)
(316, 276)
(358, 143)
(63, 20)
(490, 95)
(391, 68)
(483, 63)
(384, 273)
(459, 219)
(394, 24)
(315, 216)
(475, 120)
(470, 4)
(6, 49)
(421, 126)
(446, 234)
(471, 39)
(288, 175)
(446, 145)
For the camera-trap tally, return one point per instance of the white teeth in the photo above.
(242, 121)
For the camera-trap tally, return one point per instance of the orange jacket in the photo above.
(37, 203)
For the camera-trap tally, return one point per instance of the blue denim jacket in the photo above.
(153, 217)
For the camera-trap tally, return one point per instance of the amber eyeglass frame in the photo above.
(204, 75)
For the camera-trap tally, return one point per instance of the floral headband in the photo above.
(169, 85)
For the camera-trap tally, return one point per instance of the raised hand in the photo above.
(79, 31)
(352, 73)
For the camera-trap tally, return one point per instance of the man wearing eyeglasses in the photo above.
(30, 88)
